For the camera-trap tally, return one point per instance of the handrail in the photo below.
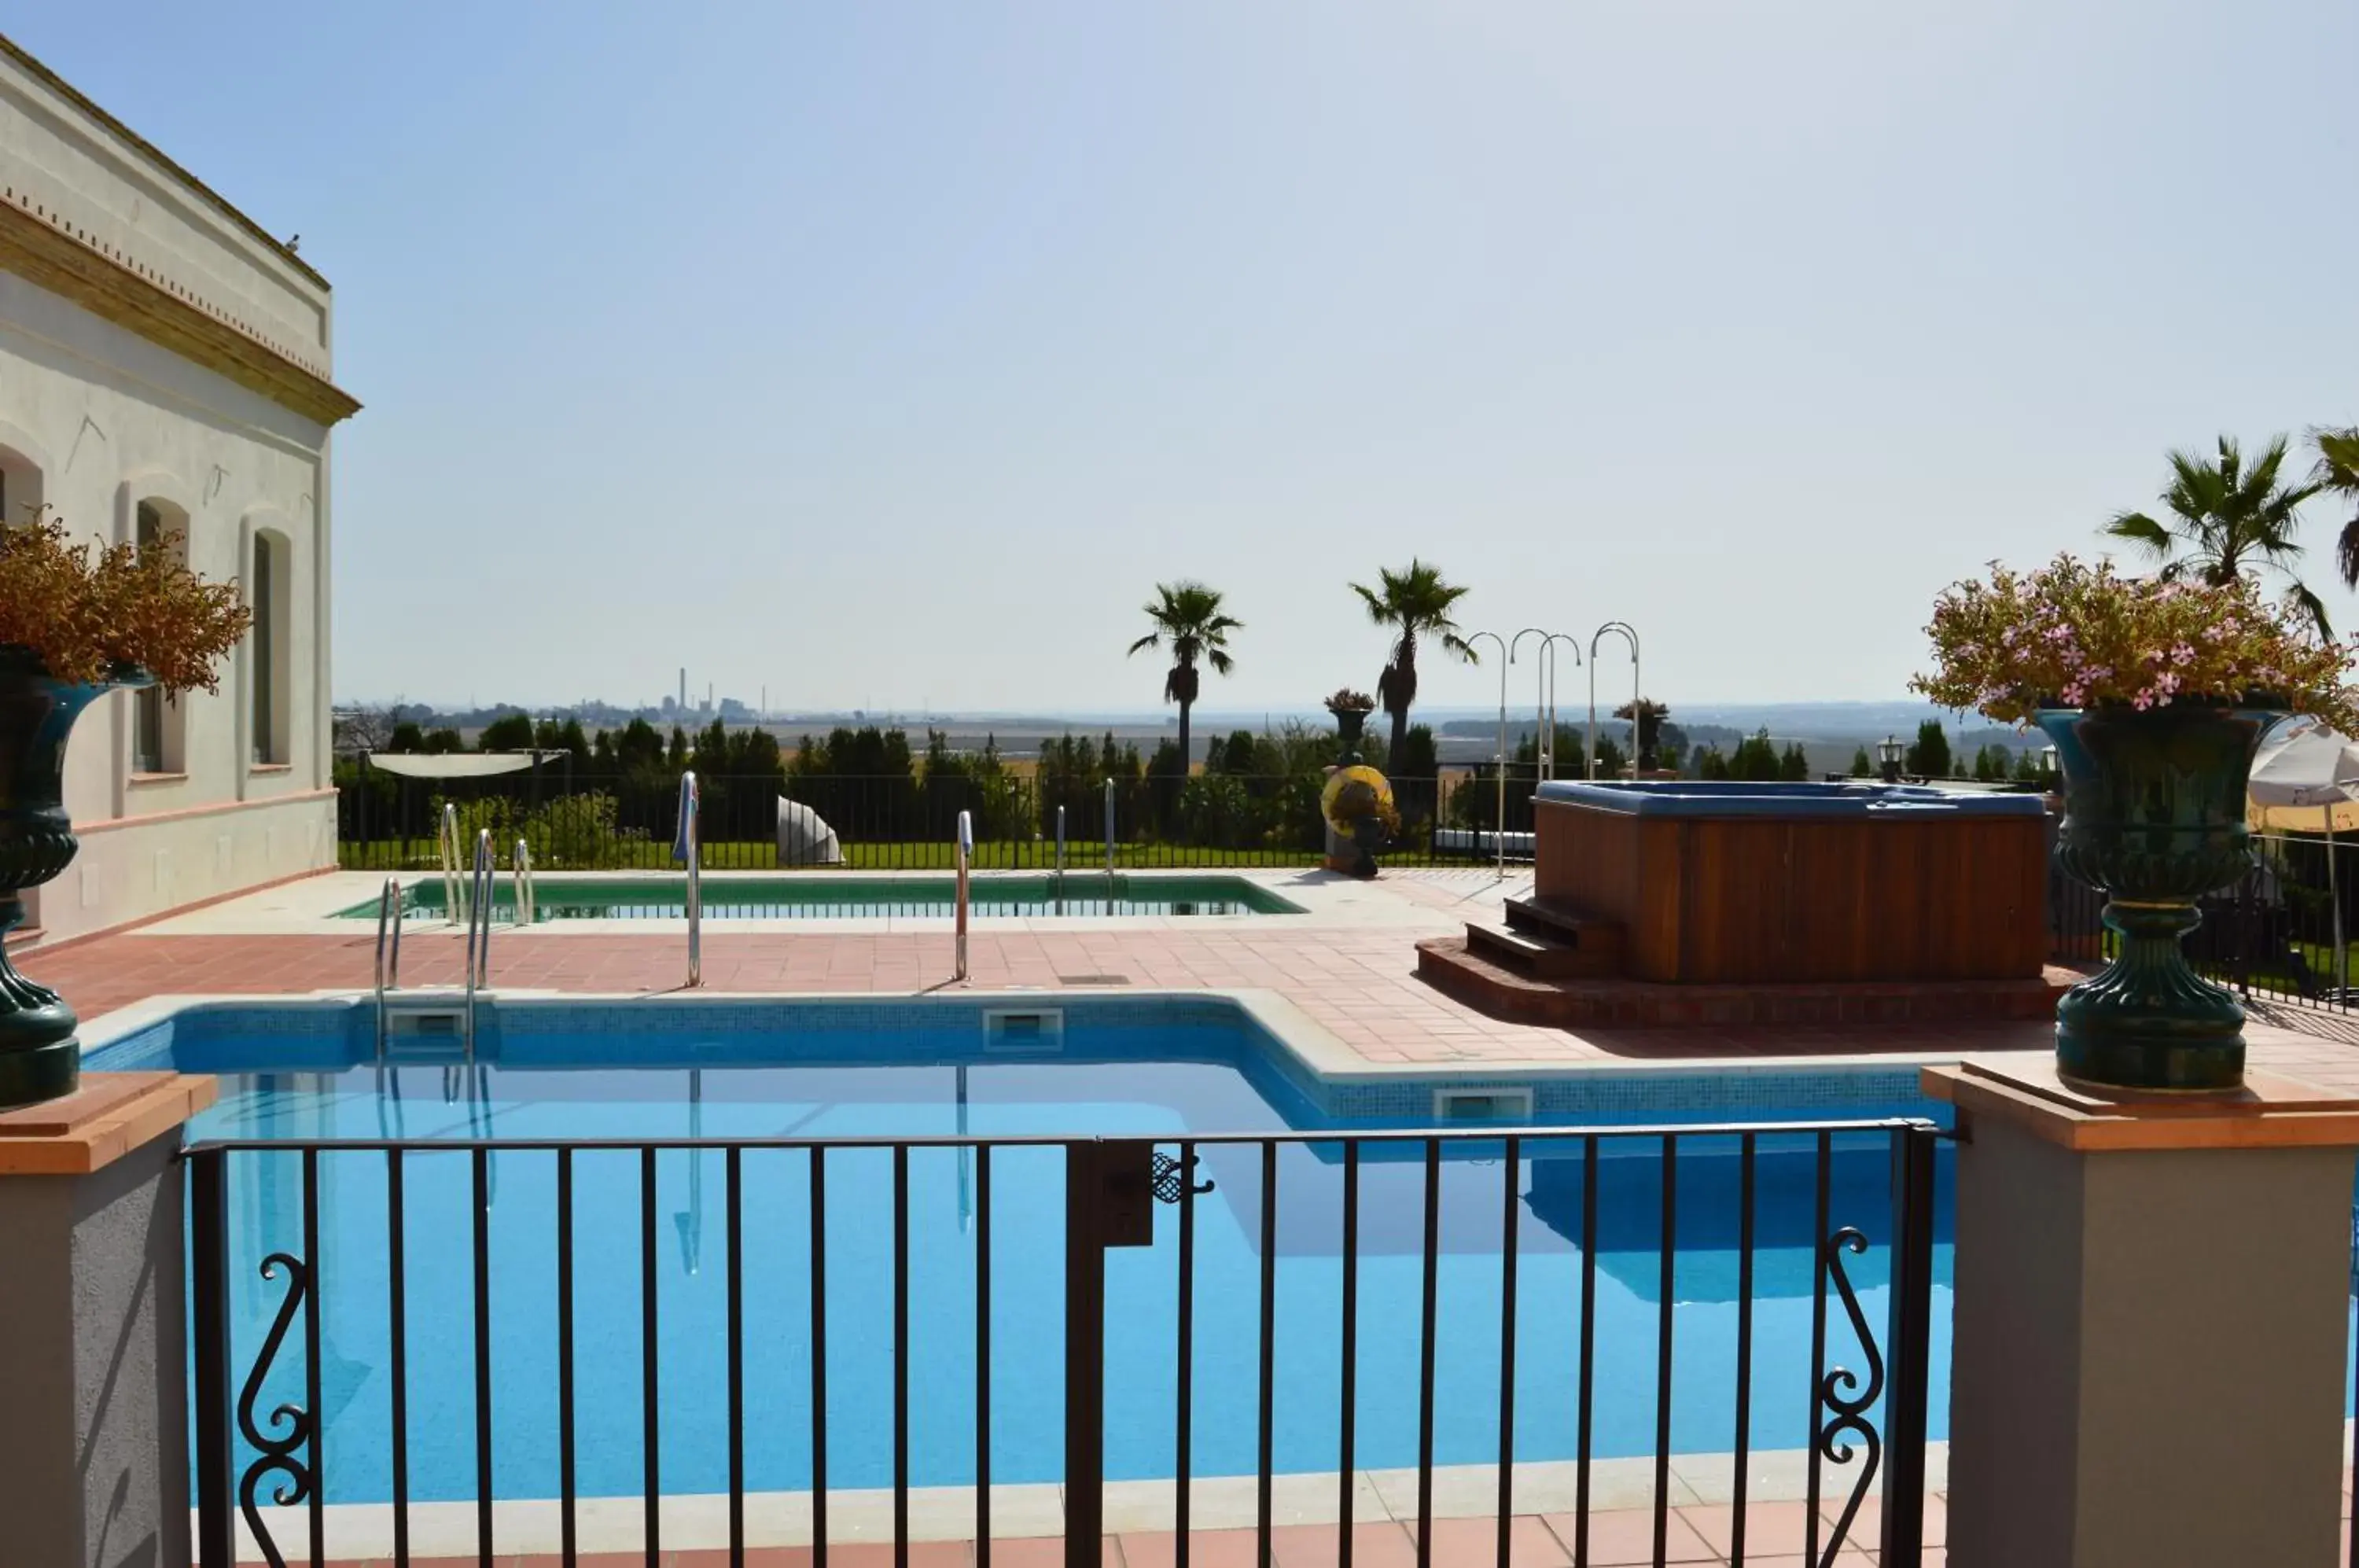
(528, 901)
(965, 853)
(448, 852)
(688, 846)
(479, 931)
(389, 951)
(1060, 841)
(1109, 814)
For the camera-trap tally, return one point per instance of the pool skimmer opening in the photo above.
(1024, 1030)
(1482, 1104)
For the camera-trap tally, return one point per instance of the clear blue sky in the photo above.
(888, 353)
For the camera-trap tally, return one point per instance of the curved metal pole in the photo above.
(1498, 824)
(1549, 643)
(1624, 628)
(1540, 677)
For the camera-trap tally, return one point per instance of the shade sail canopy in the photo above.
(452, 764)
(2305, 779)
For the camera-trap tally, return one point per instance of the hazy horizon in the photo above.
(888, 358)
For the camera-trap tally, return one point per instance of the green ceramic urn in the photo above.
(2154, 815)
(39, 1058)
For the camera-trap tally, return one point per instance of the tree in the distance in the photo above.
(1413, 603)
(1929, 756)
(2226, 518)
(2337, 475)
(1187, 615)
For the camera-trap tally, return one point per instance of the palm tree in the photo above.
(1412, 602)
(2228, 520)
(1189, 616)
(2337, 474)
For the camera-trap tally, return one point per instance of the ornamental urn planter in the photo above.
(2153, 816)
(39, 1058)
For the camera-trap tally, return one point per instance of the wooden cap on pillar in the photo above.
(2268, 1112)
(111, 1115)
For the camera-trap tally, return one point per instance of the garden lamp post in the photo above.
(1624, 629)
(1499, 758)
(1887, 758)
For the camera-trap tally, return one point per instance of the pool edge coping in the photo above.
(1313, 1047)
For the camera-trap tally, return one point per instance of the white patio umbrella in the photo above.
(2305, 779)
(804, 837)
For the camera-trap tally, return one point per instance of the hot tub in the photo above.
(1714, 882)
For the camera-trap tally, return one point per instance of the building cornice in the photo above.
(41, 248)
(148, 150)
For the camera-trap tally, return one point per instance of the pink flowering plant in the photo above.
(2072, 635)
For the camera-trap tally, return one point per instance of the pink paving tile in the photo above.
(1619, 1538)
(1771, 1529)
(1474, 1543)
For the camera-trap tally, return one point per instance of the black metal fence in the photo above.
(2277, 933)
(577, 821)
(399, 1309)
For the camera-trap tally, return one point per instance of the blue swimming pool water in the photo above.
(1143, 1068)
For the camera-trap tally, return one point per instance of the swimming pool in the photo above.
(980, 1070)
(835, 895)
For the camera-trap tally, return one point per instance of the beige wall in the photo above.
(95, 419)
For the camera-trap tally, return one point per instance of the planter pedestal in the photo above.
(2151, 1305)
(95, 1452)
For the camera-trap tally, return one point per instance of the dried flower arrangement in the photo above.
(118, 614)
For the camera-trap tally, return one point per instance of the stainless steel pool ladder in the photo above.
(1060, 841)
(528, 901)
(1109, 814)
(479, 931)
(448, 852)
(689, 848)
(965, 854)
(389, 951)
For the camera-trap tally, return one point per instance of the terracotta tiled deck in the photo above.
(1358, 983)
(1618, 1538)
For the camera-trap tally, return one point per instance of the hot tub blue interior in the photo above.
(1149, 1067)
(1717, 798)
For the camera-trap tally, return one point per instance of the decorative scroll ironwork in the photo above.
(274, 1452)
(1846, 1413)
(1171, 1182)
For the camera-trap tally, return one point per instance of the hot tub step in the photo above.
(1541, 956)
(1554, 920)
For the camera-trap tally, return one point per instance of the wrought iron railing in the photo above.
(259, 1210)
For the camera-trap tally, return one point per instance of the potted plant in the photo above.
(75, 625)
(1351, 710)
(2154, 693)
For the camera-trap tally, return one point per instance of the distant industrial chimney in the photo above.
(683, 687)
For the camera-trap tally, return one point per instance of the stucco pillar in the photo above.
(2151, 1304)
(94, 1362)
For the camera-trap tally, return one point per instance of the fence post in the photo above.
(1084, 1358)
(1908, 1343)
(209, 1312)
